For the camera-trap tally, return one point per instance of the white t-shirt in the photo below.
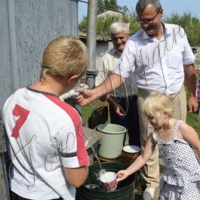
(158, 64)
(106, 66)
(45, 134)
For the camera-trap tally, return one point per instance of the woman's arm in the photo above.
(140, 161)
(191, 136)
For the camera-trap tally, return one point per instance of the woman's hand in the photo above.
(122, 174)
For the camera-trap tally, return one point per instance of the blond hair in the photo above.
(63, 57)
(156, 103)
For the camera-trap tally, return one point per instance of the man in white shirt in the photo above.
(162, 59)
(123, 101)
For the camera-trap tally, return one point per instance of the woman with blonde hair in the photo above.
(180, 150)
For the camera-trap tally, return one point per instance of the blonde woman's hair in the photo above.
(156, 103)
(63, 57)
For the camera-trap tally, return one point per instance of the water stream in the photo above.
(102, 171)
(95, 155)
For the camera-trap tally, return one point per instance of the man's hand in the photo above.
(117, 107)
(85, 96)
(119, 110)
(193, 104)
(190, 78)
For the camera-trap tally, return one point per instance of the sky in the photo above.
(169, 6)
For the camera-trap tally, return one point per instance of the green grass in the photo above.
(86, 111)
(197, 62)
(192, 118)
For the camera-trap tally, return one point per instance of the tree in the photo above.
(83, 25)
(104, 5)
(191, 25)
(102, 23)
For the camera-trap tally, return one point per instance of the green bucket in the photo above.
(111, 142)
(124, 189)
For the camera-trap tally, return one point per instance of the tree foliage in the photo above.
(102, 29)
(104, 5)
(191, 24)
(83, 25)
(103, 23)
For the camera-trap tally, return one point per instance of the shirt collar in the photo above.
(114, 51)
(145, 36)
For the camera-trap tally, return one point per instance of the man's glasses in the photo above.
(147, 21)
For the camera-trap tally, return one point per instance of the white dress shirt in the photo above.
(107, 65)
(158, 64)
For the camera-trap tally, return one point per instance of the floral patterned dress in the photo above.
(181, 169)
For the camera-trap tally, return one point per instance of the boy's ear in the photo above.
(72, 79)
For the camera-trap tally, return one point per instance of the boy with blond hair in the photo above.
(45, 135)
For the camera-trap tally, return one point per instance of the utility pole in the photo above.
(91, 43)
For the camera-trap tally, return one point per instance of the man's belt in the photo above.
(131, 97)
(143, 91)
